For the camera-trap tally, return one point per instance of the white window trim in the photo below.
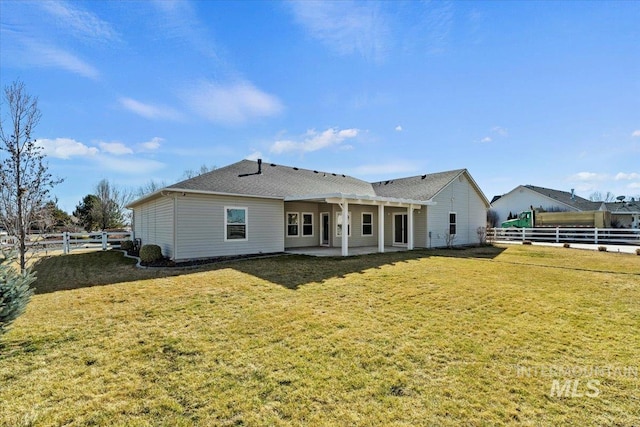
(449, 222)
(287, 224)
(348, 223)
(313, 228)
(246, 223)
(362, 223)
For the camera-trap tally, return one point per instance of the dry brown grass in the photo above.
(418, 338)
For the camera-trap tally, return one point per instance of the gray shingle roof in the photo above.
(623, 207)
(565, 197)
(285, 181)
(421, 187)
(274, 181)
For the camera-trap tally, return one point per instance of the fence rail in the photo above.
(617, 236)
(67, 242)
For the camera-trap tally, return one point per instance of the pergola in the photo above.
(343, 201)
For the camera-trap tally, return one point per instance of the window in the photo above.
(307, 224)
(452, 223)
(339, 224)
(293, 224)
(235, 223)
(367, 224)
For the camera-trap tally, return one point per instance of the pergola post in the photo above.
(381, 228)
(410, 227)
(345, 228)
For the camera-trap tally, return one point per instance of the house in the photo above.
(625, 214)
(523, 197)
(253, 207)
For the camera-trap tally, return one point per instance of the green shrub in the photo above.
(126, 245)
(150, 253)
(602, 248)
(14, 292)
(566, 245)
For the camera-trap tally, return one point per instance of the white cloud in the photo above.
(314, 141)
(498, 130)
(149, 111)
(151, 145)
(42, 55)
(627, 176)
(486, 139)
(231, 104)
(347, 27)
(80, 22)
(636, 133)
(128, 165)
(255, 156)
(116, 148)
(398, 128)
(588, 176)
(634, 185)
(65, 148)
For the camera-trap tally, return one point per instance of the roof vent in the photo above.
(254, 173)
(315, 171)
(573, 194)
(295, 169)
(423, 176)
(344, 176)
(273, 165)
(333, 174)
(386, 182)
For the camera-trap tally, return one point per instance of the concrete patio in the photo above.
(327, 251)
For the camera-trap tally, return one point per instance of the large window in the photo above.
(307, 224)
(367, 224)
(293, 224)
(339, 224)
(235, 223)
(452, 223)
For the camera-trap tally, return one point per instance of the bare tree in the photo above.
(110, 212)
(190, 173)
(149, 188)
(597, 196)
(25, 182)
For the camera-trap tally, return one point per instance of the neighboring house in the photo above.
(523, 197)
(627, 214)
(250, 207)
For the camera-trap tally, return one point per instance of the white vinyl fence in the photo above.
(617, 236)
(67, 242)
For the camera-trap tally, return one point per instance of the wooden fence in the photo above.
(67, 242)
(614, 236)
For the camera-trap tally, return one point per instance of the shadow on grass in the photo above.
(74, 271)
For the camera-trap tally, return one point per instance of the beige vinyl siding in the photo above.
(459, 197)
(356, 238)
(200, 226)
(153, 224)
(302, 241)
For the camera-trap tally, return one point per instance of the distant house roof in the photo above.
(286, 182)
(564, 197)
(623, 207)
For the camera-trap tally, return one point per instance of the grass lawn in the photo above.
(474, 337)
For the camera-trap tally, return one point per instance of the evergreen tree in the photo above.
(14, 291)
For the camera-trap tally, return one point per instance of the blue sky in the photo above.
(542, 93)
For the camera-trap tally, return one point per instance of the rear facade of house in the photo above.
(251, 208)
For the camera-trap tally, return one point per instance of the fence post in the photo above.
(104, 240)
(595, 234)
(524, 234)
(557, 234)
(65, 243)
